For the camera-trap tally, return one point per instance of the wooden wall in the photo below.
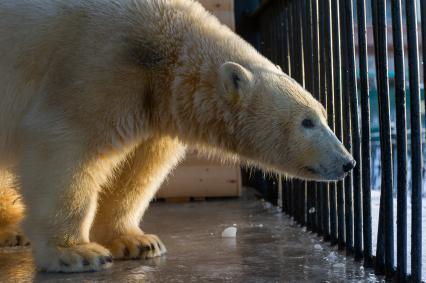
(223, 9)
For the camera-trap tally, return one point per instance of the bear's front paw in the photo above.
(78, 258)
(136, 246)
(11, 236)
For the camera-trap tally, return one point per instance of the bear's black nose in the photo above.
(349, 166)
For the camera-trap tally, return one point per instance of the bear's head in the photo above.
(280, 125)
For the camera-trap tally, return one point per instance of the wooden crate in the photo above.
(197, 177)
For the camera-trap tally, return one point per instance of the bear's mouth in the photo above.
(311, 170)
(322, 175)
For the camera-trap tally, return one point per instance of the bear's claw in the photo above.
(79, 258)
(10, 237)
(139, 246)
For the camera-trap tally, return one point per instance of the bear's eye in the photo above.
(307, 123)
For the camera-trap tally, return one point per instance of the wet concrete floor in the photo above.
(268, 247)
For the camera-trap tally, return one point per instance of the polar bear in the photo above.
(99, 100)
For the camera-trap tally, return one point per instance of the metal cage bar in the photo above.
(324, 195)
(337, 75)
(347, 137)
(316, 93)
(385, 137)
(352, 93)
(401, 140)
(332, 200)
(416, 145)
(365, 133)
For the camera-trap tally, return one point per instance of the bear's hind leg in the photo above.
(123, 203)
(11, 212)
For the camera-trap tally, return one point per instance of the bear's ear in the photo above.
(235, 78)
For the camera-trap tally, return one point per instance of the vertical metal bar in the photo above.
(330, 111)
(338, 116)
(281, 34)
(290, 38)
(401, 140)
(297, 51)
(385, 137)
(316, 92)
(290, 73)
(302, 81)
(365, 121)
(298, 76)
(346, 132)
(284, 31)
(273, 33)
(310, 81)
(315, 49)
(379, 264)
(284, 195)
(352, 88)
(286, 69)
(380, 253)
(416, 145)
(324, 198)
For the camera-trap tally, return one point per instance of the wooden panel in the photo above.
(218, 5)
(202, 178)
(222, 9)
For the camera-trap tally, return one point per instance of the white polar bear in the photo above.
(98, 101)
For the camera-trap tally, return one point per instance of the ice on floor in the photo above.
(230, 232)
(318, 247)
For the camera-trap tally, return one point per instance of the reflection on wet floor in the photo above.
(268, 247)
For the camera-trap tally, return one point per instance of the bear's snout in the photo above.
(349, 166)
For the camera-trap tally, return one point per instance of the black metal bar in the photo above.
(379, 263)
(316, 93)
(274, 33)
(380, 252)
(346, 132)
(292, 72)
(325, 207)
(309, 82)
(298, 76)
(385, 137)
(401, 140)
(352, 92)
(284, 185)
(284, 32)
(338, 117)
(416, 146)
(287, 69)
(290, 37)
(365, 126)
(330, 112)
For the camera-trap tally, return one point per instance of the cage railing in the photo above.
(314, 42)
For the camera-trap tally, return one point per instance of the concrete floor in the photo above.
(269, 247)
